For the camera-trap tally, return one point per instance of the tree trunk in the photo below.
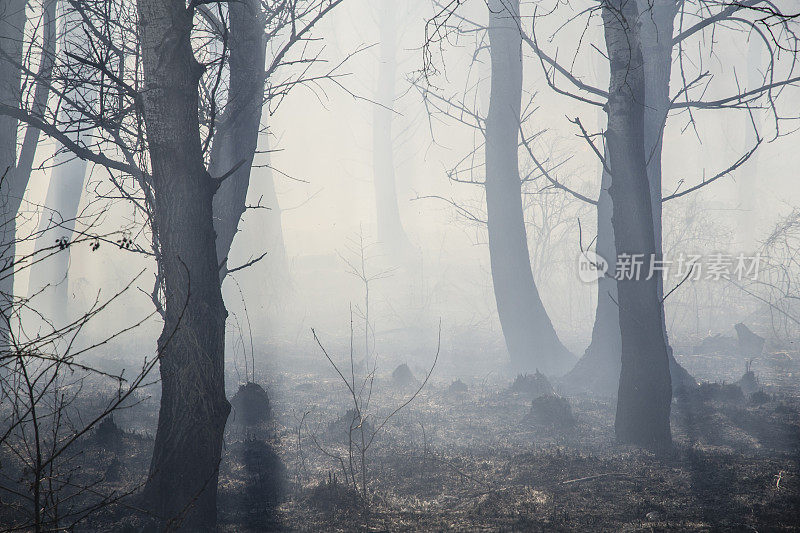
(12, 22)
(182, 487)
(657, 27)
(64, 191)
(598, 370)
(530, 337)
(390, 227)
(15, 172)
(278, 265)
(236, 138)
(748, 185)
(645, 395)
(268, 282)
(58, 221)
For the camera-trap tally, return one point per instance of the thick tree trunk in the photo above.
(530, 337)
(390, 227)
(645, 394)
(182, 487)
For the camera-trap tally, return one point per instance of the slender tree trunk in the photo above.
(182, 487)
(657, 27)
(236, 138)
(16, 172)
(12, 22)
(63, 198)
(390, 227)
(748, 185)
(645, 394)
(655, 37)
(268, 282)
(598, 370)
(64, 191)
(530, 337)
(278, 266)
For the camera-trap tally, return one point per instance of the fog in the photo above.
(318, 151)
(326, 285)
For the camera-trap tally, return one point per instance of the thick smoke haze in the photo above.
(372, 264)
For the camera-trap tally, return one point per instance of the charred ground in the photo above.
(480, 458)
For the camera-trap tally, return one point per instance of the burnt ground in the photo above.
(473, 460)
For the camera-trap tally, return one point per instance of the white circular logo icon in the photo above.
(591, 266)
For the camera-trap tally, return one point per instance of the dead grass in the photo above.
(469, 462)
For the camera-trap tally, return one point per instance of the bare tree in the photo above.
(157, 132)
(530, 336)
(193, 404)
(645, 393)
(597, 368)
(531, 340)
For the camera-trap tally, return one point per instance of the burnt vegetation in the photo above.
(399, 265)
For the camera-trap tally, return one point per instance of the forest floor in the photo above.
(474, 460)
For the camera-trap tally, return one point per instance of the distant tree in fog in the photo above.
(390, 226)
(66, 184)
(530, 338)
(16, 52)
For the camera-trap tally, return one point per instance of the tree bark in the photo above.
(182, 486)
(530, 337)
(645, 394)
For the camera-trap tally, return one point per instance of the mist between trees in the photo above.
(349, 264)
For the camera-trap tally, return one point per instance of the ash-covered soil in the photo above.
(478, 458)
